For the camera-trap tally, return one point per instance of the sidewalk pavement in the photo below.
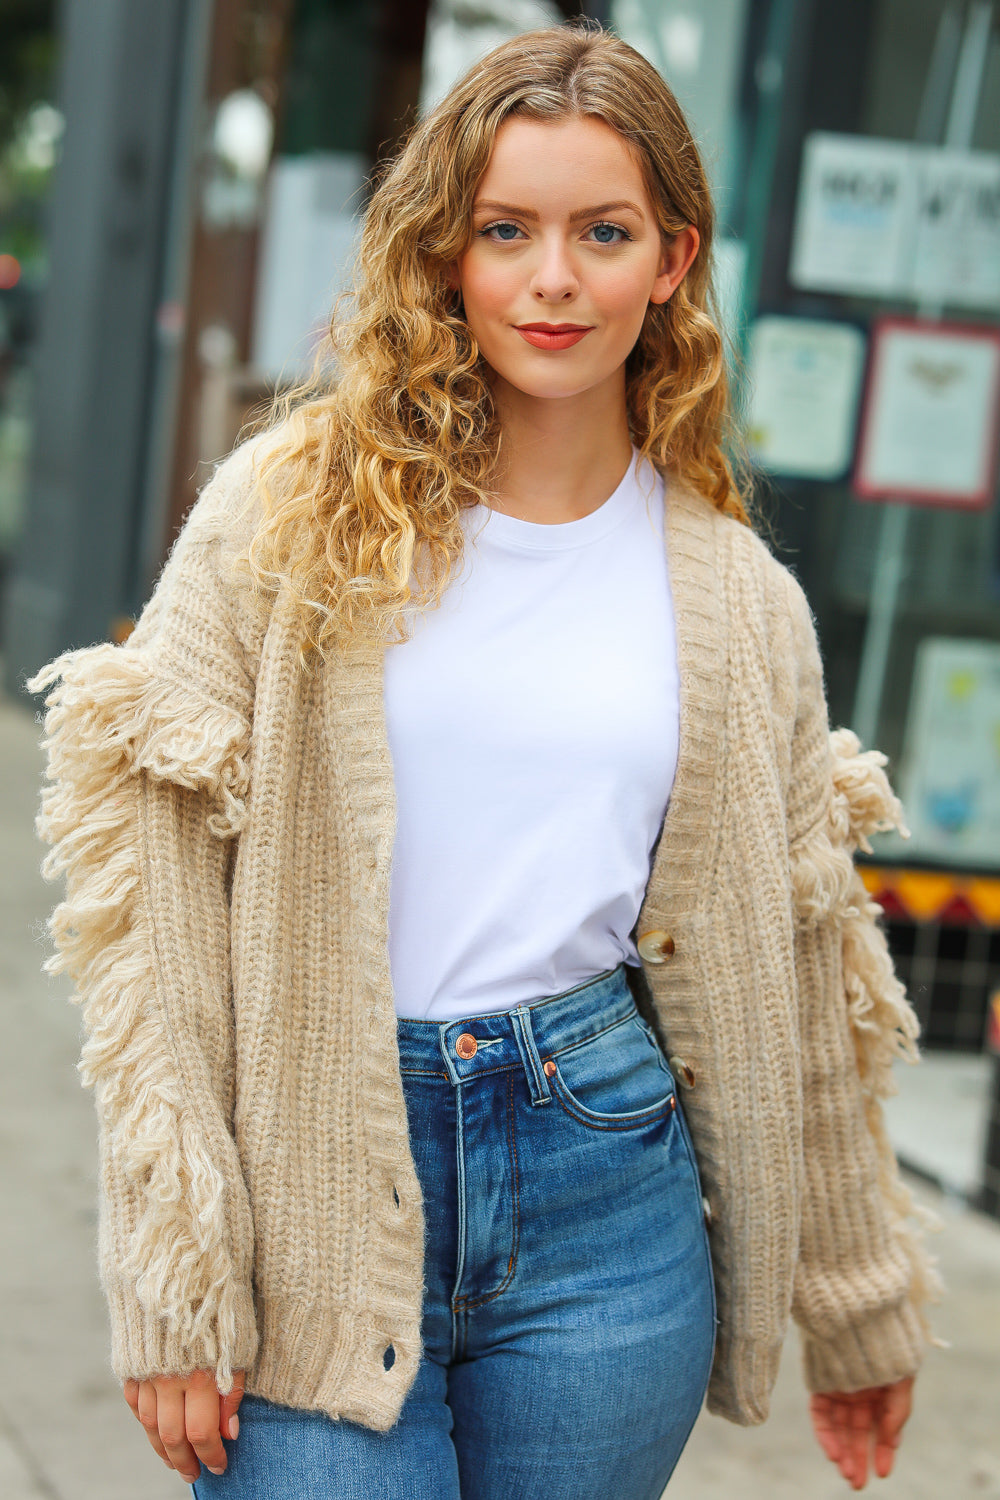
(65, 1431)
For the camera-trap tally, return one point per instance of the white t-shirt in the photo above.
(533, 725)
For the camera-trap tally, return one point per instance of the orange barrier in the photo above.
(907, 895)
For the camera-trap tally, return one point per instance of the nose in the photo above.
(554, 278)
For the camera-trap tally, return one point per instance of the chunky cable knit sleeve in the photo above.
(148, 753)
(863, 1278)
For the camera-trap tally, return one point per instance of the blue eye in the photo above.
(503, 230)
(609, 234)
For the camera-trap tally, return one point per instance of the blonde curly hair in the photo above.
(367, 474)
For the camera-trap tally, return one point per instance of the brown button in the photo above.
(656, 946)
(683, 1071)
(466, 1046)
(548, 1068)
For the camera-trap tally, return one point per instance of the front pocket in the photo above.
(614, 1081)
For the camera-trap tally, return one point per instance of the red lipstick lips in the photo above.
(552, 335)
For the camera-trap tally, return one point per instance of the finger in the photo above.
(821, 1412)
(173, 1436)
(833, 1419)
(229, 1422)
(842, 1419)
(147, 1407)
(885, 1457)
(201, 1424)
(892, 1417)
(859, 1425)
(130, 1390)
(896, 1408)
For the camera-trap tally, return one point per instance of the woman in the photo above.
(360, 889)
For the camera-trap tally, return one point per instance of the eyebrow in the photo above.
(583, 213)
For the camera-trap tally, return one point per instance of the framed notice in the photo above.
(956, 245)
(855, 214)
(950, 779)
(877, 218)
(929, 426)
(805, 379)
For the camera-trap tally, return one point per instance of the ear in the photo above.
(676, 261)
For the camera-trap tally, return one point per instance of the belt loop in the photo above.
(523, 1035)
(443, 1030)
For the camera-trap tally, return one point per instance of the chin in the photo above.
(557, 385)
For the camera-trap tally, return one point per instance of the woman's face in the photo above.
(566, 256)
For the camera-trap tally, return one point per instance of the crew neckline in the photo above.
(538, 536)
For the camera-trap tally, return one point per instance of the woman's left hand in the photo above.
(848, 1424)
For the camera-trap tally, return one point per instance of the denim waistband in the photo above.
(528, 1034)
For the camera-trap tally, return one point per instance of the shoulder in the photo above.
(761, 594)
(749, 555)
(215, 537)
(228, 507)
(775, 670)
(204, 588)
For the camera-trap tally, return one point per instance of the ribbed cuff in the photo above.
(743, 1377)
(144, 1345)
(884, 1347)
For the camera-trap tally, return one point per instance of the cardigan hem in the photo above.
(326, 1359)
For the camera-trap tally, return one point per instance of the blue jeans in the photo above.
(569, 1314)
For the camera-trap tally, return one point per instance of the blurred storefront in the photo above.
(855, 153)
(873, 355)
(30, 132)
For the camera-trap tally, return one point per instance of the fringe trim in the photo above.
(883, 1022)
(108, 703)
(108, 719)
(884, 1027)
(862, 803)
(827, 887)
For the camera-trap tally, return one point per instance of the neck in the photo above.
(560, 459)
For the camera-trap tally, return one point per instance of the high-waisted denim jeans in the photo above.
(569, 1315)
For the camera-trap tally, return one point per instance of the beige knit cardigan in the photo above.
(224, 820)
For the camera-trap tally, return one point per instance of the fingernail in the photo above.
(234, 1426)
(215, 1471)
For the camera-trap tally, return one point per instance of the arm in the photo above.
(148, 749)
(863, 1278)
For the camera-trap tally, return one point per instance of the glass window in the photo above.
(30, 133)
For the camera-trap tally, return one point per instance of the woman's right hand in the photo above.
(861, 1427)
(185, 1418)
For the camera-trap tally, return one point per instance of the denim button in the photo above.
(466, 1046)
(548, 1068)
